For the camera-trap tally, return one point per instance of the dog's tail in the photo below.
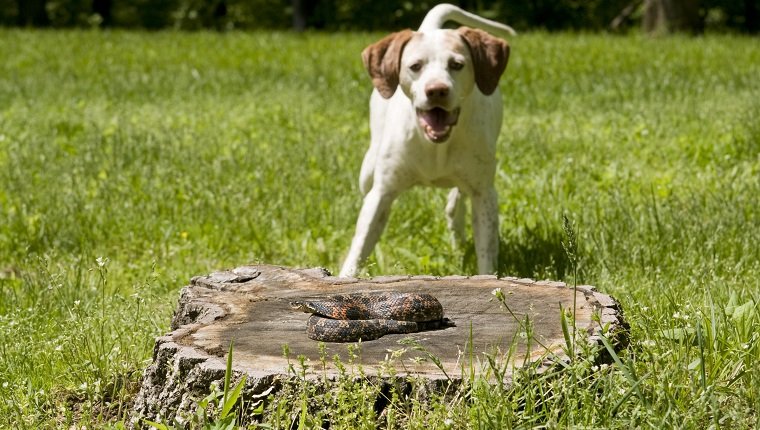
(442, 13)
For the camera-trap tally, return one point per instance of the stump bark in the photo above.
(250, 306)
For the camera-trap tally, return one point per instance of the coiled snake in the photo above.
(369, 316)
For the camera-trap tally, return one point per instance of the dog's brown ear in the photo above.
(382, 60)
(489, 57)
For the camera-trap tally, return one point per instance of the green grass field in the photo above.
(130, 162)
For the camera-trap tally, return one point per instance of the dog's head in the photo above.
(437, 70)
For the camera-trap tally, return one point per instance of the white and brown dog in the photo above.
(435, 116)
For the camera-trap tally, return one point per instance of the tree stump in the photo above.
(250, 305)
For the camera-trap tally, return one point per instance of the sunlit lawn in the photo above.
(130, 162)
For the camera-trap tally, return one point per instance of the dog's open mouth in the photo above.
(437, 123)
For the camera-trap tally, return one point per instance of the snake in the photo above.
(370, 316)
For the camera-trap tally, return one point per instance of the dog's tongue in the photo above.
(439, 119)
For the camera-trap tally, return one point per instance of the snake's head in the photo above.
(298, 305)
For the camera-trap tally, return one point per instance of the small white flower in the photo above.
(101, 261)
(5, 384)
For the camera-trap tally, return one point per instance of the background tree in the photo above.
(103, 9)
(553, 15)
(31, 13)
(665, 16)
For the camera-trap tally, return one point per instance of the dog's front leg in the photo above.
(373, 217)
(485, 226)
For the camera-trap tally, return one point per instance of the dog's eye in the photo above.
(416, 67)
(456, 65)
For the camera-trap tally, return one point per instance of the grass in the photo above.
(130, 162)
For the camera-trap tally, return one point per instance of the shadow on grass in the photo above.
(527, 253)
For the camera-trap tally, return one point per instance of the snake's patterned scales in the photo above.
(368, 316)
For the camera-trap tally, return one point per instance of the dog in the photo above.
(435, 116)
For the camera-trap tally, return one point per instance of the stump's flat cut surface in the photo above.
(250, 305)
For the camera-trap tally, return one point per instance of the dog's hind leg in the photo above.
(485, 230)
(455, 213)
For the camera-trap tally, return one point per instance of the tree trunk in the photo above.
(299, 16)
(250, 306)
(670, 16)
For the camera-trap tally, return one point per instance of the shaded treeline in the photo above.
(594, 15)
